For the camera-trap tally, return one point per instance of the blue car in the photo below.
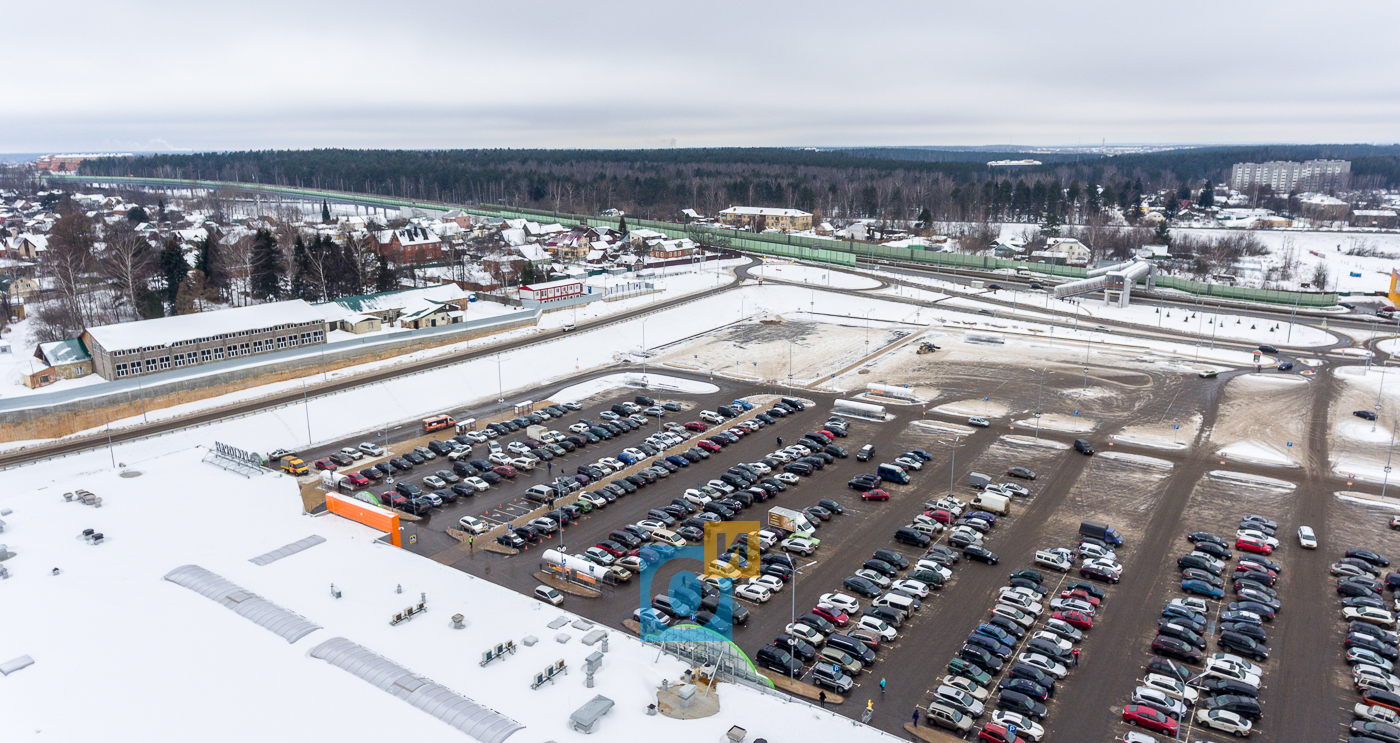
(996, 633)
(742, 404)
(678, 460)
(1201, 588)
(627, 458)
(991, 644)
(1183, 612)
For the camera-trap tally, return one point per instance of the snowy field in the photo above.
(1260, 420)
(804, 274)
(1360, 448)
(106, 632)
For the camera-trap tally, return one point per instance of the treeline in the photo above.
(882, 183)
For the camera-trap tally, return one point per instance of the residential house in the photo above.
(14, 292)
(665, 250)
(421, 307)
(27, 247)
(1379, 218)
(66, 359)
(1323, 208)
(503, 267)
(1075, 253)
(412, 244)
(550, 291)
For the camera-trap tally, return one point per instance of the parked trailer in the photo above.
(864, 409)
(577, 569)
(889, 390)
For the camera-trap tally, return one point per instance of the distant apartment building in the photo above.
(1284, 176)
(760, 218)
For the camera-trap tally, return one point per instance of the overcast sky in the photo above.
(89, 75)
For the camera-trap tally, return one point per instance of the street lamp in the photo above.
(644, 348)
(1389, 454)
(867, 330)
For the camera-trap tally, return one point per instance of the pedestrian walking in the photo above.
(882, 687)
(1075, 653)
(821, 698)
(916, 717)
(780, 441)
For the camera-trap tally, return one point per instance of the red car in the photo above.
(358, 480)
(505, 471)
(1144, 716)
(326, 464)
(708, 445)
(1080, 594)
(941, 515)
(875, 494)
(608, 549)
(737, 432)
(836, 617)
(695, 426)
(395, 500)
(994, 733)
(1248, 545)
(1077, 619)
(829, 436)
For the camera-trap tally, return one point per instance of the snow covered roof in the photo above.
(405, 301)
(70, 351)
(533, 253)
(220, 677)
(763, 211)
(551, 284)
(164, 331)
(1374, 212)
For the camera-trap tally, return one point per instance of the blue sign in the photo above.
(1011, 730)
(1177, 426)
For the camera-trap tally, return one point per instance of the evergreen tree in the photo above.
(622, 225)
(1207, 197)
(188, 299)
(1051, 227)
(173, 269)
(1093, 203)
(325, 212)
(385, 279)
(1162, 236)
(137, 215)
(303, 284)
(208, 261)
(926, 217)
(268, 267)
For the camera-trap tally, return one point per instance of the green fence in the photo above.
(787, 246)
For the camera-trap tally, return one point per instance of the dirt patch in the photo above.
(1259, 417)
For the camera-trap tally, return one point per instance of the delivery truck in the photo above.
(1102, 531)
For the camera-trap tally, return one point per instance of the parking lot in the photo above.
(1154, 496)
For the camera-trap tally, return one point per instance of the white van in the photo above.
(896, 600)
(994, 502)
(666, 536)
(926, 526)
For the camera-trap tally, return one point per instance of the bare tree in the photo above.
(68, 264)
(129, 263)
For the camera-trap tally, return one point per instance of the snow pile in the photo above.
(1258, 452)
(600, 385)
(814, 275)
(1258, 481)
(1138, 459)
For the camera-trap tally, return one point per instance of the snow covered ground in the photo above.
(1360, 448)
(111, 640)
(1327, 248)
(1259, 420)
(651, 380)
(801, 273)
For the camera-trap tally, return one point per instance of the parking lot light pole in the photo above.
(1391, 453)
(1378, 400)
(1040, 396)
(644, 348)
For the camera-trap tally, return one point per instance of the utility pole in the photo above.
(1389, 454)
(1040, 396)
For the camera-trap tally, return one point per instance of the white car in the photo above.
(1055, 640)
(1237, 661)
(459, 451)
(1109, 565)
(1021, 602)
(579, 428)
(753, 592)
(1375, 713)
(806, 634)
(1368, 614)
(499, 458)
(1014, 489)
(549, 595)
(374, 450)
(524, 463)
(1021, 591)
(711, 417)
(651, 525)
(1231, 671)
(1095, 552)
(696, 497)
(930, 565)
(873, 577)
(787, 478)
(1014, 614)
(1043, 663)
(781, 456)
(1306, 538)
(515, 447)
(965, 685)
(800, 545)
(1174, 688)
(878, 626)
(1159, 700)
(598, 501)
(762, 468)
(476, 437)
(909, 463)
(767, 581)
(978, 421)
(841, 601)
(1257, 536)
(1072, 605)
(911, 587)
(434, 482)
(1374, 674)
(477, 483)
(1193, 603)
(1224, 721)
(353, 453)
(1025, 726)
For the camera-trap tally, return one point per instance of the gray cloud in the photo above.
(420, 73)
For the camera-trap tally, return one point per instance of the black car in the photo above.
(779, 660)
(1205, 536)
(1246, 707)
(401, 465)
(981, 554)
(490, 477)
(1027, 584)
(982, 657)
(831, 505)
(905, 535)
(1369, 556)
(373, 474)
(1252, 631)
(1025, 686)
(1041, 678)
(943, 555)
(1385, 650)
(1231, 687)
(1174, 648)
(1370, 629)
(800, 649)
(1247, 646)
(1012, 701)
(1169, 668)
(1009, 625)
(861, 586)
(863, 483)
(1214, 550)
(799, 468)
(414, 457)
(463, 490)
(1363, 730)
